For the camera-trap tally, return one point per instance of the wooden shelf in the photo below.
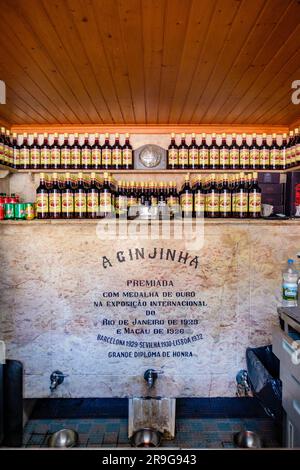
(153, 172)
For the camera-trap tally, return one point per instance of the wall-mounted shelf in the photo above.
(150, 171)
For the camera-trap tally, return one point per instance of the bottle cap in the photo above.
(76, 135)
(86, 136)
(193, 135)
(173, 135)
(274, 136)
(65, 135)
(223, 135)
(183, 135)
(34, 135)
(117, 136)
(127, 135)
(45, 135)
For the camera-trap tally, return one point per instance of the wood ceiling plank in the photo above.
(103, 88)
(278, 88)
(107, 19)
(259, 91)
(38, 57)
(21, 86)
(266, 21)
(198, 24)
(130, 23)
(273, 57)
(153, 17)
(224, 14)
(176, 22)
(72, 60)
(240, 29)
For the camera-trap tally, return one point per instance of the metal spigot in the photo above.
(150, 376)
(56, 378)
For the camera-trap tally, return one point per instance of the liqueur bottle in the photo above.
(254, 198)
(55, 198)
(106, 198)
(93, 199)
(45, 153)
(65, 153)
(193, 154)
(86, 153)
(214, 154)
(35, 153)
(289, 150)
(24, 154)
(283, 153)
(2, 146)
(225, 198)
(186, 199)
(9, 149)
(203, 153)
(127, 154)
(274, 154)
(297, 145)
(96, 153)
(67, 199)
(241, 199)
(183, 154)
(153, 194)
(212, 198)
(264, 154)
(172, 162)
(42, 199)
(244, 153)
(117, 154)
(199, 198)
(75, 152)
(106, 154)
(55, 163)
(254, 157)
(80, 203)
(234, 154)
(292, 150)
(121, 201)
(16, 151)
(224, 154)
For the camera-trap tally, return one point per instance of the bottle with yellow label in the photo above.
(264, 154)
(183, 154)
(80, 205)
(241, 199)
(203, 153)
(127, 154)
(16, 151)
(55, 198)
(106, 198)
(244, 153)
(67, 199)
(42, 199)
(75, 150)
(234, 154)
(212, 198)
(93, 199)
(35, 153)
(254, 198)
(65, 153)
(86, 153)
(172, 163)
(117, 154)
(274, 154)
(96, 153)
(24, 154)
(106, 153)
(225, 198)
(55, 153)
(224, 153)
(193, 154)
(45, 153)
(214, 153)
(254, 153)
(186, 198)
(199, 198)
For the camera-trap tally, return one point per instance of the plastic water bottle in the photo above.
(290, 277)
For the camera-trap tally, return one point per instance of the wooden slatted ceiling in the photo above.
(154, 62)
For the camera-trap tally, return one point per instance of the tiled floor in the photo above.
(190, 433)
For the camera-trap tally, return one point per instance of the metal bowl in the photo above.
(146, 437)
(248, 440)
(63, 438)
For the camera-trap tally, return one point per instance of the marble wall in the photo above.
(52, 277)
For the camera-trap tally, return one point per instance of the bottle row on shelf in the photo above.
(68, 155)
(207, 153)
(237, 195)
(232, 156)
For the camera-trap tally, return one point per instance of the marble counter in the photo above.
(55, 312)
